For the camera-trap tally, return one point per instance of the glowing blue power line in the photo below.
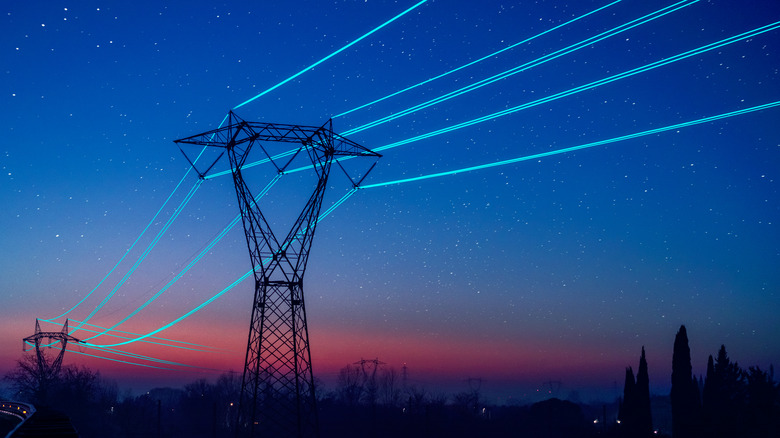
(583, 146)
(217, 295)
(256, 163)
(138, 356)
(338, 203)
(146, 252)
(476, 61)
(303, 231)
(175, 189)
(189, 266)
(120, 361)
(116, 352)
(528, 65)
(223, 121)
(131, 246)
(452, 128)
(158, 341)
(635, 71)
(584, 43)
(331, 55)
(468, 169)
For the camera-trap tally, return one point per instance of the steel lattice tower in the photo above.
(277, 389)
(48, 372)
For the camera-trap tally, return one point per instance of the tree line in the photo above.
(727, 402)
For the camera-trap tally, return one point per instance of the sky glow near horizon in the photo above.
(557, 267)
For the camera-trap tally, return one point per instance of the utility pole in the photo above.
(277, 389)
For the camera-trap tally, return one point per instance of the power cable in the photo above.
(469, 64)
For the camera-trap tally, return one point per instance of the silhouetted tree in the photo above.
(226, 393)
(416, 399)
(30, 382)
(350, 385)
(686, 403)
(627, 408)
(723, 397)
(390, 390)
(197, 405)
(75, 392)
(634, 412)
(644, 417)
(558, 418)
(763, 413)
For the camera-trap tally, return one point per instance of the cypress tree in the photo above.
(635, 416)
(708, 398)
(724, 396)
(644, 417)
(627, 413)
(686, 407)
(762, 391)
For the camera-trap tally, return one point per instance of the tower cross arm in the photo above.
(220, 137)
(239, 131)
(62, 336)
(53, 335)
(344, 147)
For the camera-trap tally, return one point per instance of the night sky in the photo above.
(556, 268)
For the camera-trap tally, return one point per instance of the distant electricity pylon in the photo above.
(277, 390)
(369, 368)
(372, 364)
(47, 370)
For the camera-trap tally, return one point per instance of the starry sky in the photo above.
(556, 268)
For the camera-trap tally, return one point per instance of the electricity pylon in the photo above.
(47, 372)
(365, 364)
(277, 388)
(45, 368)
(369, 381)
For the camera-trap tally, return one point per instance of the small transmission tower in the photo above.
(48, 371)
(369, 378)
(44, 368)
(277, 389)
